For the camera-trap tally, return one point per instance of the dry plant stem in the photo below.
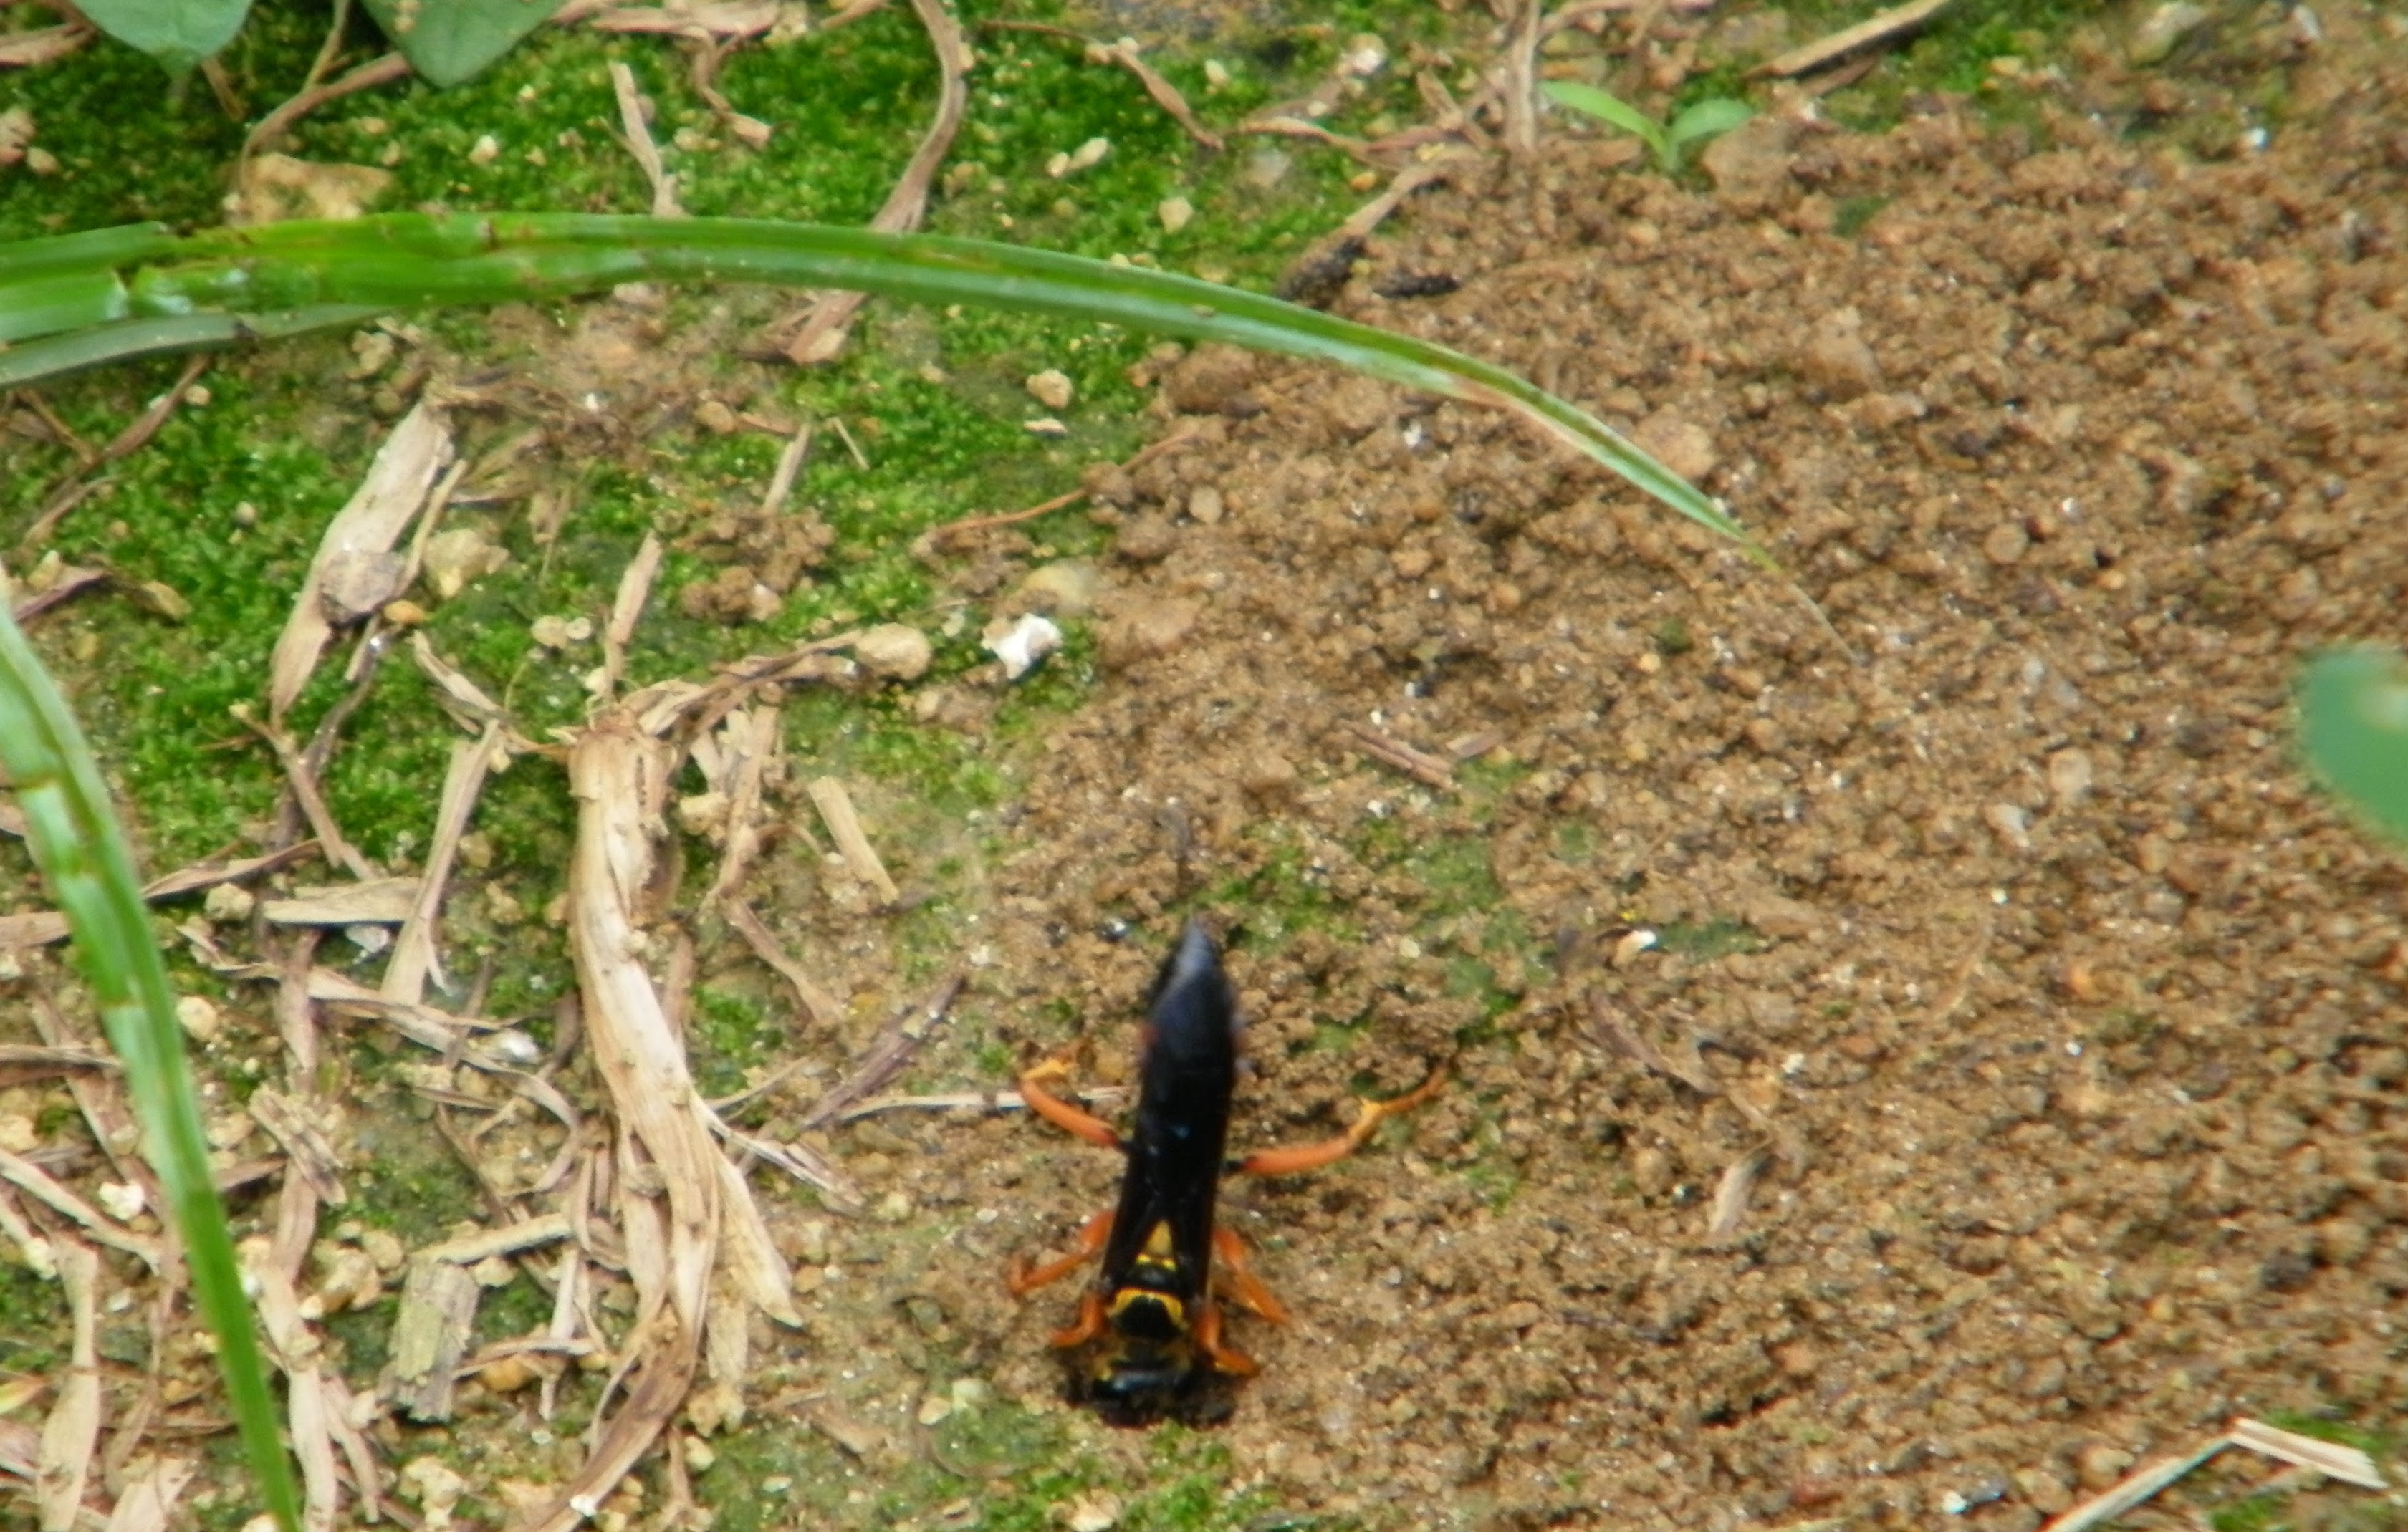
(72, 492)
(1521, 84)
(102, 1101)
(844, 434)
(639, 142)
(823, 332)
(824, 1007)
(790, 465)
(1164, 95)
(674, 1200)
(706, 54)
(148, 1502)
(41, 927)
(379, 71)
(72, 582)
(36, 1183)
(313, 805)
(754, 743)
(997, 1100)
(1890, 24)
(892, 1049)
(86, 454)
(938, 536)
(1419, 764)
(43, 44)
(414, 957)
(844, 826)
(635, 588)
(73, 1428)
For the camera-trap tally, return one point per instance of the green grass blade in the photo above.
(58, 355)
(2354, 729)
(93, 249)
(1706, 119)
(82, 855)
(1611, 110)
(410, 259)
(54, 301)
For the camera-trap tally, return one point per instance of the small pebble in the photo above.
(895, 652)
(1206, 507)
(486, 151)
(1050, 388)
(1175, 213)
(2006, 544)
(199, 1018)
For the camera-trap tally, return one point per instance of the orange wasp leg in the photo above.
(1208, 1340)
(1244, 1288)
(1059, 1112)
(1094, 1235)
(1089, 1324)
(1289, 1162)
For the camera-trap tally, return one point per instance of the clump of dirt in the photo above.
(2065, 1018)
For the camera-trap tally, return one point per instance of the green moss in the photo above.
(1719, 937)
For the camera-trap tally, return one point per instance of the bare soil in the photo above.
(2064, 1016)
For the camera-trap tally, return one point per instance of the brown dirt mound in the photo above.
(2074, 1015)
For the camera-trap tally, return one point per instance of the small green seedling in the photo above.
(1693, 123)
(2353, 730)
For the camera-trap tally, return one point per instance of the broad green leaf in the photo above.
(448, 41)
(1707, 120)
(1611, 110)
(179, 34)
(76, 842)
(2354, 726)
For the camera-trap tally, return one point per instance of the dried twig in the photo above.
(1890, 24)
(790, 464)
(938, 536)
(822, 326)
(1124, 53)
(36, 1182)
(824, 1007)
(72, 490)
(885, 1056)
(635, 588)
(414, 957)
(41, 927)
(844, 827)
(1419, 764)
(43, 44)
(639, 142)
(995, 1100)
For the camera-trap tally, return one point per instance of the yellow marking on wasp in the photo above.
(1128, 1296)
(1157, 1244)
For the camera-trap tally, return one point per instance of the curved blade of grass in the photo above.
(82, 855)
(2354, 727)
(411, 260)
(1705, 118)
(58, 356)
(1611, 110)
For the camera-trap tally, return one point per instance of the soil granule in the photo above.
(2061, 1017)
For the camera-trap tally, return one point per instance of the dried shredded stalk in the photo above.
(823, 324)
(72, 1430)
(414, 957)
(397, 484)
(381, 901)
(892, 1048)
(2333, 1459)
(41, 927)
(750, 745)
(43, 44)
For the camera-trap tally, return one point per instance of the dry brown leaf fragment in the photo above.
(150, 1500)
(414, 955)
(399, 483)
(381, 901)
(430, 1336)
